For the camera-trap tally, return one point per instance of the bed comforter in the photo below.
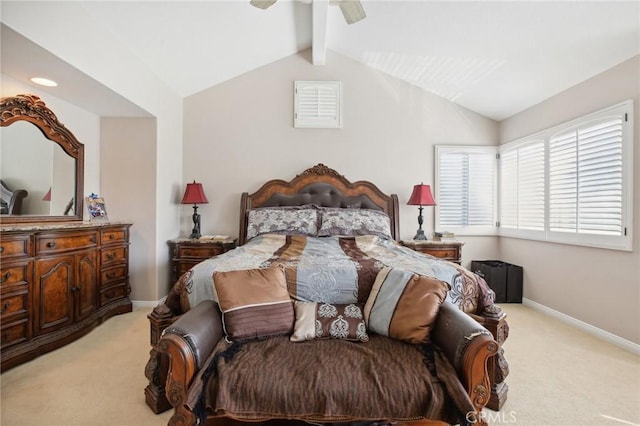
(333, 269)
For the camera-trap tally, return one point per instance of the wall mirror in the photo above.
(41, 164)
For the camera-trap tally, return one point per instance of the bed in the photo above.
(332, 238)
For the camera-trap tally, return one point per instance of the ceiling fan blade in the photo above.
(262, 4)
(352, 11)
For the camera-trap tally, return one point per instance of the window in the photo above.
(465, 189)
(572, 183)
(522, 188)
(317, 104)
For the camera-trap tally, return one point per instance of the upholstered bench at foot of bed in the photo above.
(189, 345)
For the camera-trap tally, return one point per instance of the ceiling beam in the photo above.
(319, 11)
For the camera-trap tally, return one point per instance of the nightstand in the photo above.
(187, 252)
(450, 250)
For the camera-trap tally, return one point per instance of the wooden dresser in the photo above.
(58, 282)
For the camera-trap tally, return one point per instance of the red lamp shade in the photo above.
(421, 196)
(194, 194)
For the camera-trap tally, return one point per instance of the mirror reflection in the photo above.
(37, 176)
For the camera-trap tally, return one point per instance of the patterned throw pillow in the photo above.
(282, 220)
(255, 303)
(327, 321)
(353, 222)
(404, 305)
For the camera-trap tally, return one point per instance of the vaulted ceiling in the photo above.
(495, 58)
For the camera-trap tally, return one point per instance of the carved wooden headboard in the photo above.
(324, 187)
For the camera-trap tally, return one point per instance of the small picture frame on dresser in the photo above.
(96, 208)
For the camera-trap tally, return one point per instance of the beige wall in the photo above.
(240, 133)
(599, 287)
(127, 173)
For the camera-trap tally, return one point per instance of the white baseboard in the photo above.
(598, 332)
(147, 303)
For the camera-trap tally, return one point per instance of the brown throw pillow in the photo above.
(404, 305)
(328, 321)
(255, 303)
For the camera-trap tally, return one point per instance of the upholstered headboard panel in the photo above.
(324, 187)
(324, 195)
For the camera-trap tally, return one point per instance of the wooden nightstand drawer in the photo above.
(447, 250)
(186, 253)
(199, 252)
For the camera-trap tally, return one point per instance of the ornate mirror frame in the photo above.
(30, 108)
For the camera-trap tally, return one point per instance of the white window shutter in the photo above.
(466, 189)
(318, 104)
(585, 179)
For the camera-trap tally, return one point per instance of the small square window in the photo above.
(318, 104)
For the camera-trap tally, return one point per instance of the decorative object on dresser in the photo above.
(421, 196)
(187, 252)
(450, 250)
(58, 282)
(194, 194)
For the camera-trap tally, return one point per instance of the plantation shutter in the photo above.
(317, 104)
(522, 202)
(465, 189)
(585, 179)
(509, 189)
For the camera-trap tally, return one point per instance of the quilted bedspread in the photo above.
(333, 269)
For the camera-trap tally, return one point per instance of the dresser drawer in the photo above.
(15, 275)
(113, 236)
(15, 332)
(112, 274)
(113, 293)
(198, 252)
(13, 304)
(50, 244)
(184, 266)
(12, 247)
(114, 255)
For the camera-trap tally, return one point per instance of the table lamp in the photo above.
(421, 196)
(194, 194)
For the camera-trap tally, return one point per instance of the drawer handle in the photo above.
(5, 306)
(111, 274)
(92, 239)
(5, 277)
(111, 236)
(51, 244)
(110, 256)
(1, 249)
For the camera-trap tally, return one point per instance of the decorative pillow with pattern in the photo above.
(255, 303)
(353, 222)
(328, 321)
(404, 305)
(282, 220)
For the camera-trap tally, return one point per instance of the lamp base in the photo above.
(195, 232)
(420, 235)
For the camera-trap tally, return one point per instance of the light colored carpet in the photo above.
(559, 376)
